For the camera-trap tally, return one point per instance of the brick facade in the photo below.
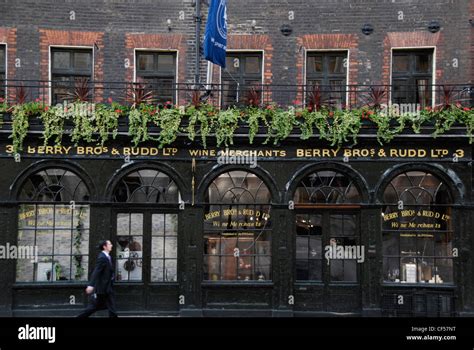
(93, 40)
(8, 37)
(162, 42)
(412, 40)
(324, 42)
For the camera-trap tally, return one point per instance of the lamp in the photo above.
(286, 29)
(254, 24)
(168, 22)
(434, 26)
(367, 29)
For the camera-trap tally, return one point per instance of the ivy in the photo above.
(138, 126)
(169, 122)
(99, 122)
(227, 123)
(280, 125)
(20, 125)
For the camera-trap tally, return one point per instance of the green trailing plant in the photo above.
(344, 125)
(106, 122)
(169, 122)
(254, 117)
(53, 122)
(82, 115)
(226, 124)
(205, 116)
(280, 125)
(138, 126)
(20, 125)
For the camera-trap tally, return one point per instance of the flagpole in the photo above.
(198, 18)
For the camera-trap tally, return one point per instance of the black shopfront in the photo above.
(194, 237)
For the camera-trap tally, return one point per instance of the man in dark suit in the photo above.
(101, 283)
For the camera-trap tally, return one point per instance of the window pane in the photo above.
(252, 65)
(233, 64)
(61, 60)
(336, 64)
(443, 272)
(315, 64)
(423, 63)
(401, 63)
(145, 62)
(157, 267)
(136, 224)
(302, 270)
(158, 224)
(62, 242)
(171, 270)
(82, 60)
(166, 63)
(171, 227)
(315, 270)
(171, 247)
(391, 269)
(157, 247)
(123, 224)
(2, 58)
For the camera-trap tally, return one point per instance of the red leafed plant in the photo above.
(376, 97)
(138, 94)
(253, 97)
(82, 91)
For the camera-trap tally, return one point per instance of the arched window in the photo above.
(152, 187)
(53, 221)
(146, 186)
(327, 187)
(324, 223)
(237, 228)
(417, 234)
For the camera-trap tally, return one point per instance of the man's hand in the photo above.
(89, 289)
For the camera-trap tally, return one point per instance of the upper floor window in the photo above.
(3, 65)
(242, 75)
(326, 76)
(412, 74)
(157, 70)
(71, 71)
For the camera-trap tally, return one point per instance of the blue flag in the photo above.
(215, 38)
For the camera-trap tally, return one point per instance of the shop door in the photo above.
(146, 255)
(328, 259)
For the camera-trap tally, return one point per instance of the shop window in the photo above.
(146, 186)
(417, 230)
(237, 240)
(242, 79)
(326, 76)
(412, 74)
(134, 229)
(3, 65)
(157, 71)
(324, 225)
(54, 218)
(71, 73)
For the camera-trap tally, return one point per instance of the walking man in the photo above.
(101, 283)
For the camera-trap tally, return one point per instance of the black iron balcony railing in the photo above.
(224, 95)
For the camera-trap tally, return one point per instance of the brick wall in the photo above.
(327, 20)
(162, 42)
(8, 37)
(94, 40)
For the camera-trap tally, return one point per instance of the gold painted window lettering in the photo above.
(417, 235)
(237, 239)
(53, 219)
